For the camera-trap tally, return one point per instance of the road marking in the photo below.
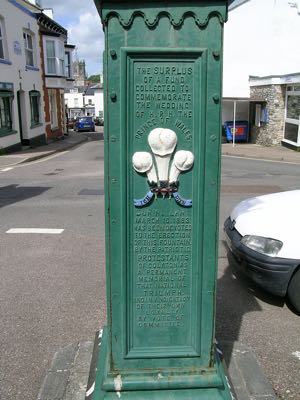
(91, 390)
(296, 354)
(36, 230)
(6, 169)
(39, 160)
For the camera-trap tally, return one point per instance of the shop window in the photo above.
(6, 98)
(292, 119)
(29, 48)
(291, 132)
(35, 96)
(293, 107)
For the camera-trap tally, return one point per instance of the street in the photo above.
(53, 282)
(245, 313)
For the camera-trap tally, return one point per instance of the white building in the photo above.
(260, 41)
(21, 86)
(98, 99)
(84, 100)
(57, 56)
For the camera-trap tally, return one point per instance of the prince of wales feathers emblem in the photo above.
(162, 179)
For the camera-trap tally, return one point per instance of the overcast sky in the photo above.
(83, 23)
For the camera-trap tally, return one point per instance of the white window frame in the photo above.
(61, 58)
(292, 92)
(52, 57)
(27, 48)
(58, 57)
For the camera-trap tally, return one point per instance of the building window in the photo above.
(6, 97)
(55, 57)
(2, 56)
(3, 43)
(35, 96)
(76, 102)
(29, 50)
(61, 58)
(292, 112)
(51, 60)
(53, 108)
(68, 64)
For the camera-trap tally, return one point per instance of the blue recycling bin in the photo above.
(241, 131)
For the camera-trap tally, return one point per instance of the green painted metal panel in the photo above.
(163, 64)
(163, 315)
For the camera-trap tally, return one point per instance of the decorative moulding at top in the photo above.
(176, 15)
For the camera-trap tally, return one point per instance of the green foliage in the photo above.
(94, 78)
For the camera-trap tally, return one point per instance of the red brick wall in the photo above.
(56, 132)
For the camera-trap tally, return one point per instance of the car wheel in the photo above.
(294, 291)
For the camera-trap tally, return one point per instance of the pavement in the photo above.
(68, 376)
(249, 150)
(278, 153)
(26, 155)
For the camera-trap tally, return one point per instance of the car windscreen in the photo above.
(86, 119)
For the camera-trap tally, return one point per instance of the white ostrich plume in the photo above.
(143, 163)
(162, 142)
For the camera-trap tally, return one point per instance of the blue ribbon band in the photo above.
(180, 200)
(145, 200)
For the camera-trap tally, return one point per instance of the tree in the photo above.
(94, 78)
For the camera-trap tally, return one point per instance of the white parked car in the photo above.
(263, 235)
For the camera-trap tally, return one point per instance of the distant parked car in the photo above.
(99, 121)
(262, 234)
(84, 124)
(71, 122)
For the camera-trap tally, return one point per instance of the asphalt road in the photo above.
(245, 313)
(52, 289)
